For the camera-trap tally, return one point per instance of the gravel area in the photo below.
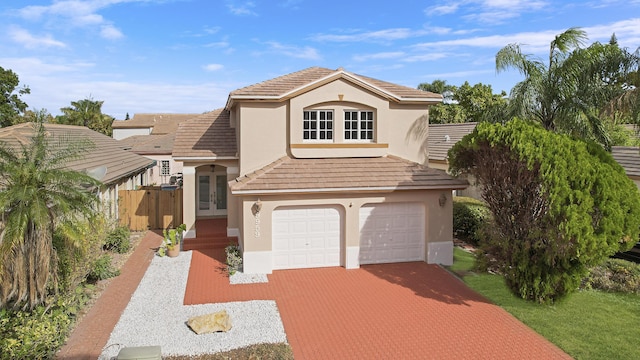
(155, 316)
(241, 278)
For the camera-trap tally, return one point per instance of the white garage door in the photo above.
(391, 232)
(305, 237)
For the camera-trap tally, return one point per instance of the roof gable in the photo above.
(290, 85)
(209, 135)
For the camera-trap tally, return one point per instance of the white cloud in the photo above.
(379, 56)
(379, 35)
(538, 42)
(487, 11)
(110, 32)
(213, 67)
(29, 41)
(305, 52)
(432, 56)
(243, 9)
(76, 13)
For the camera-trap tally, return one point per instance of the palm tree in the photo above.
(37, 194)
(567, 94)
(87, 113)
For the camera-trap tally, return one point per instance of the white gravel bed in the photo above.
(155, 316)
(241, 278)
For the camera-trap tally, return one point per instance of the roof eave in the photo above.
(354, 189)
(338, 74)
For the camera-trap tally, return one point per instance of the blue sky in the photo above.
(185, 56)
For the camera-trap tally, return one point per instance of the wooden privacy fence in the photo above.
(150, 209)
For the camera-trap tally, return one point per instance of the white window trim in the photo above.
(358, 140)
(317, 130)
(162, 168)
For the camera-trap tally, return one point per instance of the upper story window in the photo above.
(317, 125)
(358, 125)
(164, 167)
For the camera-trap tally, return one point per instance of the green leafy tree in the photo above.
(38, 196)
(480, 103)
(88, 113)
(465, 103)
(11, 106)
(559, 205)
(567, 94)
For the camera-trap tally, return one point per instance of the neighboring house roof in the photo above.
(289, 85)
(107, 152)
(207, 136)
(442, 137)
(289, 175)
(159, 123)
(629, 158)
(149, 144)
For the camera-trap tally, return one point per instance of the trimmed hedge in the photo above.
(469, 215)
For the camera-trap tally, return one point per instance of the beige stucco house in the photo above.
(319, 168)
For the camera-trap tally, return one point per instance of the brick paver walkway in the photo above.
(390, 311)
(92, 333)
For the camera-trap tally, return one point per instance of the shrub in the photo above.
(468, 216)
(559, 205)
(614, 275)
(102, 269)
(39, 334)
(118, 240)
(78, 245)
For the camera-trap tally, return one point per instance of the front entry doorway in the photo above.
(212, 193)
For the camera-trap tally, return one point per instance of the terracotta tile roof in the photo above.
(442, 137)
(288, 175)
(160, 123)
(283, 85)
(629, 158)
(208, 135)
(107, 151)
(149, 144)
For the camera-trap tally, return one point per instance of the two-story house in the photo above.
(319, 168)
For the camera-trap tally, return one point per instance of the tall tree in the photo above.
(11, 106)
(37, 194)
(465, 103)
(566, 94)
(88, 113)
(559, 204)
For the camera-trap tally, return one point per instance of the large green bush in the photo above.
(559, 205)
(469, 215)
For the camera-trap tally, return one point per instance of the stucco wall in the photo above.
(263, 130)
(119, 134)
(256, 229)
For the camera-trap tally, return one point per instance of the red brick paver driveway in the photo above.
(390, 311)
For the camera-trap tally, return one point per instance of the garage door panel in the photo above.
(391, 232)
(306, 237)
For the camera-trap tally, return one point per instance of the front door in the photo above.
(212, 193)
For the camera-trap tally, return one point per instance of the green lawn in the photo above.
(587, 325)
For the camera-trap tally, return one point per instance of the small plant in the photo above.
(102, 269)
(118, 240)
(172, 239)
(614, 275)
(234, 258)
